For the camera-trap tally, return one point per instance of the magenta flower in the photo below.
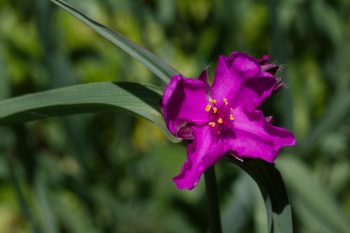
(224, 118)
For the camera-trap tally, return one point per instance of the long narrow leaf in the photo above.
(155, 64)
(315, 198)
(85, 98)
(240, 204)
(273, 190)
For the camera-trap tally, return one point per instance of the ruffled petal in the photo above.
(268, 67)
(239, 79)
(255, 137)
(254, 91)
(205, 150)
(183, 103)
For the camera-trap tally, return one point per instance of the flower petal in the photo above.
(255, 137)
(254, 91)
(204, 77)
(268, 67)
(264, 60)
(239, 79)
(184, 101)
(205, 150)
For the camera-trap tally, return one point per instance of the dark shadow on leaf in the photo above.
(144, 93)
(272, 187)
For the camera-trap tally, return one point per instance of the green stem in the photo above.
(213, 204)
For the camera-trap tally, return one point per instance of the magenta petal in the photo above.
(183, 102)
(205, 150)
(226, 82)
(245, 65)
(238, 78)
(255, 137)
(266, 66)
(264, 60)
(254, 91)
(223, 118)
(204, 77)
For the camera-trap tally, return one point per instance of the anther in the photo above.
(215, 109)
(225, 101)
(212, 124)
(207, 108)
(212, 101)
(220, 120)
(232, 117)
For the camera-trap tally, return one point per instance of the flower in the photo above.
(223, 118)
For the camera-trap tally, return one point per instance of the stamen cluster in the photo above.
(220, 113)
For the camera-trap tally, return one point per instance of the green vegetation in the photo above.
(111, 171)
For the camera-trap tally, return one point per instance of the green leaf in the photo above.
(240, 204)
(312, 198)
(155, 64)
(273, 190)
(86, 98)
(43, 205)
(4, 78)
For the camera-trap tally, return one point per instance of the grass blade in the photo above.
(273, 190)
(240, 205)
(315, 198)
(155, 64)
(86, 98)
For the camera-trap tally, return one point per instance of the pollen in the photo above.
(212, 124)
(215, 109)
(213, 101)
(232, 117)
(207, 108)
(225, 101)
(220, 120)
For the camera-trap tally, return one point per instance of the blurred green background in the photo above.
(112, 172)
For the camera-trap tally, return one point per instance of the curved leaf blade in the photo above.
(273, 190)
(155, 64)
(315, 198)
(86, 98)
(240, 204)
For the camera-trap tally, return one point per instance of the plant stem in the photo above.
(213, 204)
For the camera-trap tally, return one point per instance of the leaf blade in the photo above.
(314, 196)
(85, 98)
(271, 185)
(155, 64)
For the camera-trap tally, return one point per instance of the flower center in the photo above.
(220, 114)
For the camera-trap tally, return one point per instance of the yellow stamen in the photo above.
(207, 108)
(225, 101)
(212, 124)
(215, 109)
(220, 120)
(232, 117)
(212, 101)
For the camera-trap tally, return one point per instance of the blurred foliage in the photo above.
(112, 172)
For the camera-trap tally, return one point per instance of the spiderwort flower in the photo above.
(223, 118)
